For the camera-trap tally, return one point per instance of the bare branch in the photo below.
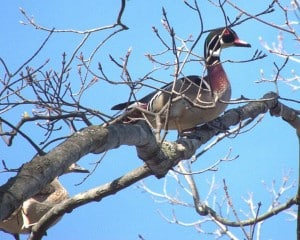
(231, 205)
(39, 27)
(255, 17)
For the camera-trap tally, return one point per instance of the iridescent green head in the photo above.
(219, 39)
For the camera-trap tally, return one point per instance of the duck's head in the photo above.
(219, 39)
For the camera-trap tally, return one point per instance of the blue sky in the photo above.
(266, 152)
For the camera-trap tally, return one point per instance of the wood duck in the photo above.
(195, 100)
(33, 209)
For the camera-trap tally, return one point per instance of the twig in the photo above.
(120, 15)
(230, 203)
(254, 225)
(39, 151)
(35, 54)
(118, 23)
(255, 17)
(93, 170)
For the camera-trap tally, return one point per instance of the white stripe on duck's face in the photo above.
(212, 47)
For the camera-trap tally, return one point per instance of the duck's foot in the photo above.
(189, 133)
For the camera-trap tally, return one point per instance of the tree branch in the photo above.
(260, 218)
(41, 170)
(96, 194)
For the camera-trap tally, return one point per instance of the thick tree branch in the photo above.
(34, 175)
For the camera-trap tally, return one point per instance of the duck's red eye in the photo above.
(226, 32)
(228, 35)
